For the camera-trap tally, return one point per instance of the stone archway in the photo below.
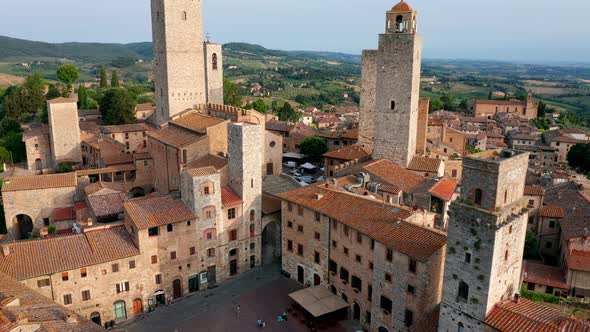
(25, 225)
(95, 317)
(271, 242)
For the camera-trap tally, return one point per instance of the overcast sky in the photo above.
(521, 30)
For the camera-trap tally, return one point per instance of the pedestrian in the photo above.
(238, 311)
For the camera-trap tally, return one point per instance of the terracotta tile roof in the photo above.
(36, 131)
(351, 152)
(423, 164)
(88, 112)
(578, 260)
(61, 100)
(145, 107)
(444, 189)
(229, 197)
(552, 212)
(153, 212)
(63, 214)
(30, 259)
(276, 184)
(107, 205)
(197, 123)
(203, 171)
(351, 134)
(37, 310)
(383, 222)
(175, 137)
(567, 139)
(393, 174)
(209, 160)
(134, 127)
(546, 275)
(429, 322)
(89, 127)
(534, 191)
(282, 126)
(500, 102)
(389, 188)
(509, 316)
(38, 182)
(99, 188)
(402, 6)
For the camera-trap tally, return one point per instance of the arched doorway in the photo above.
(95, 317)
(300, 274)
(120, 310)
(271, 242)
(160, 297)
(176, 288)
(137, 192)
(25, 225)
(382, 329)
(137, 306)
(38, 166)
(316, 279)
(356, 311)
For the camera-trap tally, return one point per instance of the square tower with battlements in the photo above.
(179, 57)
(486, 236)
(391, 88)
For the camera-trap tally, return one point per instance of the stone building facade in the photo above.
(38, 148)
(64, 130)
(486, 239)
(182, 59)
(350, 244)
(397, 65)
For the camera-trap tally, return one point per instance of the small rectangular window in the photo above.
(154, 259)
(316, 257)
(86, 295)
(115, 267)
(233, 235)
(392, 105)
(290, 245)
(158, 279)
(169, 228)
(173, 255)
(131, 264)
(300, 250)
(83, 272)
(65, 276)
(192, 250)
(67, 299)
(43, 283)
(154, 231)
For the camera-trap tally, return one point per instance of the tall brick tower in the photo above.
(391, 88)
(179, 57)
(486, 237)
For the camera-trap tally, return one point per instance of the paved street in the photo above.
(261, 294)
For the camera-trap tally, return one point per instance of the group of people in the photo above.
(280, 318)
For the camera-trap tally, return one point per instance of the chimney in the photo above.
(318, 196)
(516, 298)
(6, 249)
(71, 319)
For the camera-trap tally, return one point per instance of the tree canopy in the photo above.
(117, 107)
(103, 78)
(231, 93)
(68, 74)
(579, 157)
(114, 79)
(314, 147)
(26, 99)
(287, 113)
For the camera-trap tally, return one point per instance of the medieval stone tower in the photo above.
(486, 237)
(64, 131)
(245, 157)
(391, 88)
(180, 71)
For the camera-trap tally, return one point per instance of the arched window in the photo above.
(463, 291)
(214, 61)
(460, 327)
(252, 215)
(184, 16)
(477, 197)
(399, 24)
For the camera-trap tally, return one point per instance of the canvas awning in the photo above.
(308, 166)
(318, 300)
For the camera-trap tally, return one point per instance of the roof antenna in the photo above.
(208, 37)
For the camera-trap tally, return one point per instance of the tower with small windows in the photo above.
(486, 237)
(183, 63)
(391, 88)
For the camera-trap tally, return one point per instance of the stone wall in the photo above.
(397, 95)
(37, 204)
(273, 154)
(64, 131)
(39, 148)
(423, 108)
(179, 65)
(368, 87)
(214, 72)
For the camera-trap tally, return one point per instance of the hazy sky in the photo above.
(523, 30)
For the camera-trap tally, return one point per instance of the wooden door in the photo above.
(176, 288)
(137, 306)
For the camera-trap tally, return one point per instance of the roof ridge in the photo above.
(533, 318)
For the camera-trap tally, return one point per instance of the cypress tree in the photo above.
(114, 80)
(103, 78)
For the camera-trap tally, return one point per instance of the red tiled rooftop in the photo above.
(383, 222)
(552, 212)
(444, 189)
(153, 212)
(424, 164)
(392, 173)
(351, 152)
(38, 182)
(229, 197)
(546, 275)
(534, 191)
(401, 7)
(510, 316)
